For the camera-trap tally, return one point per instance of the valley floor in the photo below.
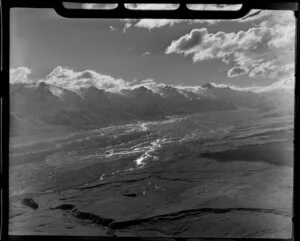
(198, 197)
(239, 185)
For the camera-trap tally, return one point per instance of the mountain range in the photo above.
(33, 107)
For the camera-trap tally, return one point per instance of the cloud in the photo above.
(188, 41)
(70, 79)
(284, 27)
(133, 6)
(283, 84)
(128, 24)
(161, 23)
(112, 28)
(237, 71)
(147, 6)
(74, 80)
(254, 16)
(261, 69)
(158, 23)
(210, 7)
(148, 83)
(248, 51)
(282, 24)
(282, 72)
(155, 23)
(163, 6)
(99, 6)
(146, 53)
(206, 45)
(19, 75)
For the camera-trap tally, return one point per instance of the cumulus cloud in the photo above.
(204, 45)
(248, 51)
(284, 28)
(70, 79)
(188, 41)
(19, 75)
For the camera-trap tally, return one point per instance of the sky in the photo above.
(257, 50)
